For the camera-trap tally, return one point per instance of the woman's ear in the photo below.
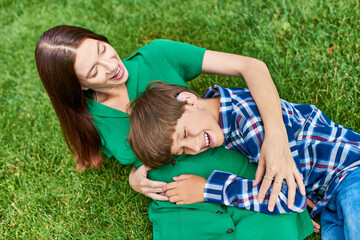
(189, 98)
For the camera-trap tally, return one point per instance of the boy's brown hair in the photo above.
(153, 118)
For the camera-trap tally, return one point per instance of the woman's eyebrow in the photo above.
(98, 47)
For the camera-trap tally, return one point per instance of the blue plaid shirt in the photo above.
(324, 152)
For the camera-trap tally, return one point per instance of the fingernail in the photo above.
(291, 206)
(271, 209)
(261, 200)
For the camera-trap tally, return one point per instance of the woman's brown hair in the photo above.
(55, 55)
(153, 118)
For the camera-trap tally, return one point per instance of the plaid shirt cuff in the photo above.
(214, 187)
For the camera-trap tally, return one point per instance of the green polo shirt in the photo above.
(168, 61)
(176, 63)
(213, 221)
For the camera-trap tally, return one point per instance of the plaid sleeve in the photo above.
(231, 190)
(246, 129)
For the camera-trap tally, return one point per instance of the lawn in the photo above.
(310, 47)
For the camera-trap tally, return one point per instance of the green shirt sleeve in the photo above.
(184, 58)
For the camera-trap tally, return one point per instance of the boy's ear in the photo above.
(189, 98)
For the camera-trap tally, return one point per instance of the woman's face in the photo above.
(98, 66)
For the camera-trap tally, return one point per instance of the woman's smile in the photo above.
(119, 72)
(98, 66)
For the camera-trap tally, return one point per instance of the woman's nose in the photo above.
(109, 64)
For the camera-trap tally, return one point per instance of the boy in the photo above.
(169, 120)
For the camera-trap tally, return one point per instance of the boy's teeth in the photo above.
(207, 140)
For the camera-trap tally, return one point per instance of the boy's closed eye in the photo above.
(183, 152)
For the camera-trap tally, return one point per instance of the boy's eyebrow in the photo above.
(97, 44)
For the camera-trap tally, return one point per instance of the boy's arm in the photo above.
(232, 190)
(228, 189)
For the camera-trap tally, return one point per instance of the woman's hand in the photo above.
(139, 182)
(186, 189)
(276, 163)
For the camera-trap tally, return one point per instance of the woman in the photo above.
(90, 87)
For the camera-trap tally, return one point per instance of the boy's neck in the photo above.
(211, 105)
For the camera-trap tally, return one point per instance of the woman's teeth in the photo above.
(207, 141)
(117, 72)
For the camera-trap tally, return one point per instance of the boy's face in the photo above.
(196, 131)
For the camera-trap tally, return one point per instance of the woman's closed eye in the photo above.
(95, 73)
(104, 50)
(102, 53)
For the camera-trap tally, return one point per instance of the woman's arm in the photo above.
(275, 157)
(139, 182)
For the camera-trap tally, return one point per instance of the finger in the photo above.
(300, 183)
(146, 190)
(310, 203)
(180, 203)
(316, 226)
(265, 185)
(170, 186)
(156, 190)
(174, 199)
(275, 190)
(181, 177)
(155, 184)
(158, 197)
(171, 193)
(291, 191)
(260, 171)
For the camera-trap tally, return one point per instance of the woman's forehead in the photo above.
(85, 55)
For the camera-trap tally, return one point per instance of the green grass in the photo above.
(41, 195)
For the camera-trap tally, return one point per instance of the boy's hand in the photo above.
(186, 189)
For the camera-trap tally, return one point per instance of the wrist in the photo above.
(276, 131)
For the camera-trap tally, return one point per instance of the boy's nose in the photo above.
(194, 145)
